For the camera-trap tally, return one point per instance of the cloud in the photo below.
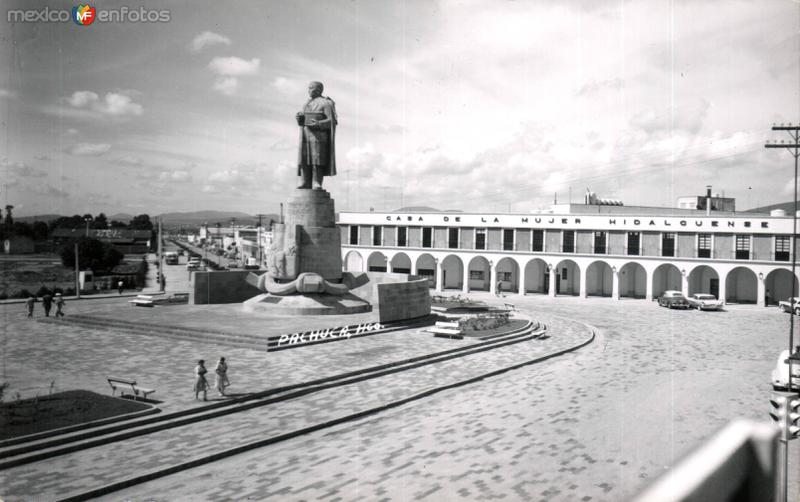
(116, 104)
(285, 85)
(5, 93)
(43, 158)
(21, 170)
(179, 176)
(128, 161)
(89, 149)
(228, 71)
(226, 85)
(207, 39)
(79, 99)
(234, 67)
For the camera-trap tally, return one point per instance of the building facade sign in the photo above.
(750, 225)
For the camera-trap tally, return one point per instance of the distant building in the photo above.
(708, 202)
(582, 250)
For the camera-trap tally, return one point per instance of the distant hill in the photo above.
(39, 217)
(213, 217)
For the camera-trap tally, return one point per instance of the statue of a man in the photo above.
(317, 122)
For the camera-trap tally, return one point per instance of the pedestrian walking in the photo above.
(29, 304)
(200, 382)
(119, 287)
(59, 305)
(767, 299)
(47, 303)
(222, 376)
(499, 291)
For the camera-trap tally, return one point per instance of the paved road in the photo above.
(596, 425)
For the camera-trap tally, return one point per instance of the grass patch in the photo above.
(29, 416)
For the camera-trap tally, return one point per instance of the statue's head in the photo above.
(315, 89)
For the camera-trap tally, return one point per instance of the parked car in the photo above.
(193, 264)
(780, 375)
(704, 301)
(788, 305)
(672, 299)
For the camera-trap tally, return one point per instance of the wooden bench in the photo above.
(124, 383)
(143, 301)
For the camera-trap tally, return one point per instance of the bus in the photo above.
(171, 257)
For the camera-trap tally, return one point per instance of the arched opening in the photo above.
(599, 279)
(741, 286)
(426, 267)
(778, 284)
(401, 264)
(632, 281)
(479, 274)
(537, 278)
(704, 279)
(353, 262)
(376, 262)
(568, 278)
(508, 275)
(452, 273)
(666, 277)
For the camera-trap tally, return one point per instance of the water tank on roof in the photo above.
(777, 212)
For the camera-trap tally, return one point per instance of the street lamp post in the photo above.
(87, 220)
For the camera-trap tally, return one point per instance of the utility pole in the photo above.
(260, 256)
(161, 278)
(77, 274)
(793, 146)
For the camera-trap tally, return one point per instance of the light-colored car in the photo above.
(193, 264)
(704, 301)
(672, 299)
(780, 375)
(788, 305)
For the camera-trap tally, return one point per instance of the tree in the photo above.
(9, 218)
(141, 222)
(100, 222)
(74, 221)
(92, 254)
(118, 224)
(40, 230)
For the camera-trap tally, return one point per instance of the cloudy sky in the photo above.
(474, 105)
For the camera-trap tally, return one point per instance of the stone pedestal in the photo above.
(311, 223)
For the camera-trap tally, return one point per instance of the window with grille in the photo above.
(568, 241)
(599, 242)
(704, 246)
(504, 276)
(668, 244)
(402, 237)
(742, 247)
(427, 237)
(452, 238)
(480, 238)
(353, 235)
(634, 240)
(476, 275)
(377, 236)
(538, 240)
(508, 239)
(782, 247)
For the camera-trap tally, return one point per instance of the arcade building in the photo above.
(583, 250)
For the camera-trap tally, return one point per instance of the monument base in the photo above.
(306, 304)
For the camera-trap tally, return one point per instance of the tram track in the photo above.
(16, 454)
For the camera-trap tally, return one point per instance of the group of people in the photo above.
(201, 383)
(47, 302)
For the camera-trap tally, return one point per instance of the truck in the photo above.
(171, 257)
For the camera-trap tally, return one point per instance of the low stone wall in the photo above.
(221, 286)
(395, 296)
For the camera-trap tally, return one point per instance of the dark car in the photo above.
(673, 299)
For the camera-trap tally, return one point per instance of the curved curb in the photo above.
(110, 488)
(79, 427)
